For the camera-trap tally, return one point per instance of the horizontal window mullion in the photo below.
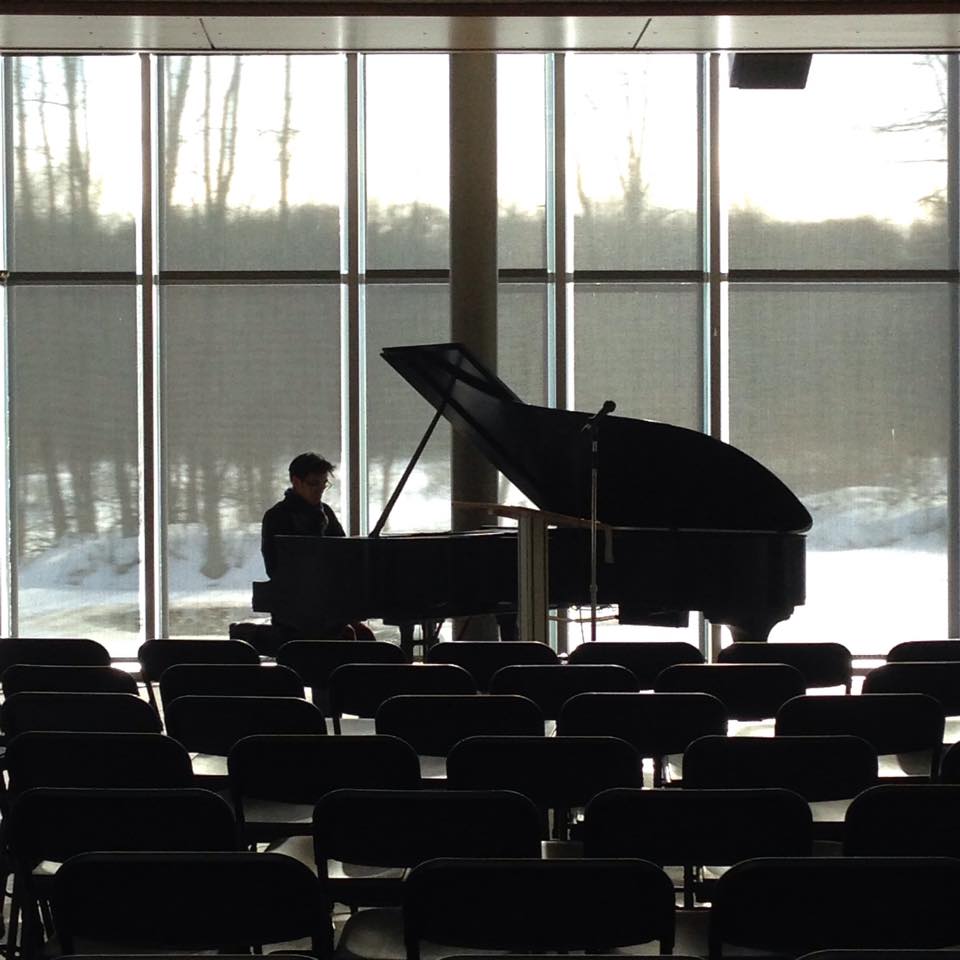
(52, 278)
(843, 276)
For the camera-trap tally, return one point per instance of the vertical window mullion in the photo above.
(953, 471)
(353, 352)
(8, 514)
(153, 607)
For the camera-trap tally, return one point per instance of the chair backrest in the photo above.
(716, 827)
(557, 772)
(940, 679)
(56, 823)
(315, 660)
(912, 651)
(818, 768)
(214, 724)
(23, 677)
(360, 688)
(228, 680)
(904, 820)
(822, 664)
(531, 905)
(550, 686)
(193, 901)
(795, 905)
(59, 759)
(655, 723)
(80, 652)
(158, 654)
(301, 768)
(892, 722)
(90, 712)
(432, 724)
(401, 828)
(645, 659)
(482, 659)
(749, 691)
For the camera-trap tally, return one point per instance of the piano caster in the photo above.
(429, 634)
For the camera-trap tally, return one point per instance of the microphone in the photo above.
(608, 407)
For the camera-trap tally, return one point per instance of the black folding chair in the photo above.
(538, 905)
(77, 652)
(694, 829)
(315, 660)
(210, 726)
(550, 686)
(559, 774)
(913, 651)
(52, 758)
(364, 840)
(822, 664)
(645, 659)
(796, 905)
(939, 679)
(359, 689)
(906, 729)
(658, 725)
(276, 779)
(228, 680)
(482, 659)
(147, 902)
(749, 691)
(57, 678)
(78, 712)
(904, 820)
(158, 654)
(826, 771)
(49, 825)
(432, 724)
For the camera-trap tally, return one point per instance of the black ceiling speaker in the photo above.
(770, 71)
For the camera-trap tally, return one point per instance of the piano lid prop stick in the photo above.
(593, 426)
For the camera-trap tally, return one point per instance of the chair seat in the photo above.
(276, 813)
(914, 764)
(357, 726)
(433, 768)
(829, 811)
(208, 765)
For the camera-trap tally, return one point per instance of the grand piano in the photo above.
(695, 523)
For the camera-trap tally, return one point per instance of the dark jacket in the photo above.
(293, 516)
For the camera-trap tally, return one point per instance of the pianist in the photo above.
(302, 512)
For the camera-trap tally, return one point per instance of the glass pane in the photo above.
(850, 172)
(397, 416)
(76, 170)
(640, 346)
(840, 390)
(632, 160)
(74, 450)
(522, 353)
(251, 377)
(408, 161)
(521, 160)
(253, 162)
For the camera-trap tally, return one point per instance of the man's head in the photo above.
(310, 476)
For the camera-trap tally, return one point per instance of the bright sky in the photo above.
(795, 155)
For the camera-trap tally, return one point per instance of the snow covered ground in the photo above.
(876, 574)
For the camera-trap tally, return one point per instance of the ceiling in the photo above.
(329, 25)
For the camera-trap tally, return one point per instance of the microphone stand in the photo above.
(593, 427)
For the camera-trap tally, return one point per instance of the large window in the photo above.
(196, 294)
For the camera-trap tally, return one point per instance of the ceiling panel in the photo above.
(26, 32)
(425, 33)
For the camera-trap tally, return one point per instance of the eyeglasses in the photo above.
(317, 484)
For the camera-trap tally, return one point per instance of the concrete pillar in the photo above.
(473, 259)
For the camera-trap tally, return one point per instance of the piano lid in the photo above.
(650, 474)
